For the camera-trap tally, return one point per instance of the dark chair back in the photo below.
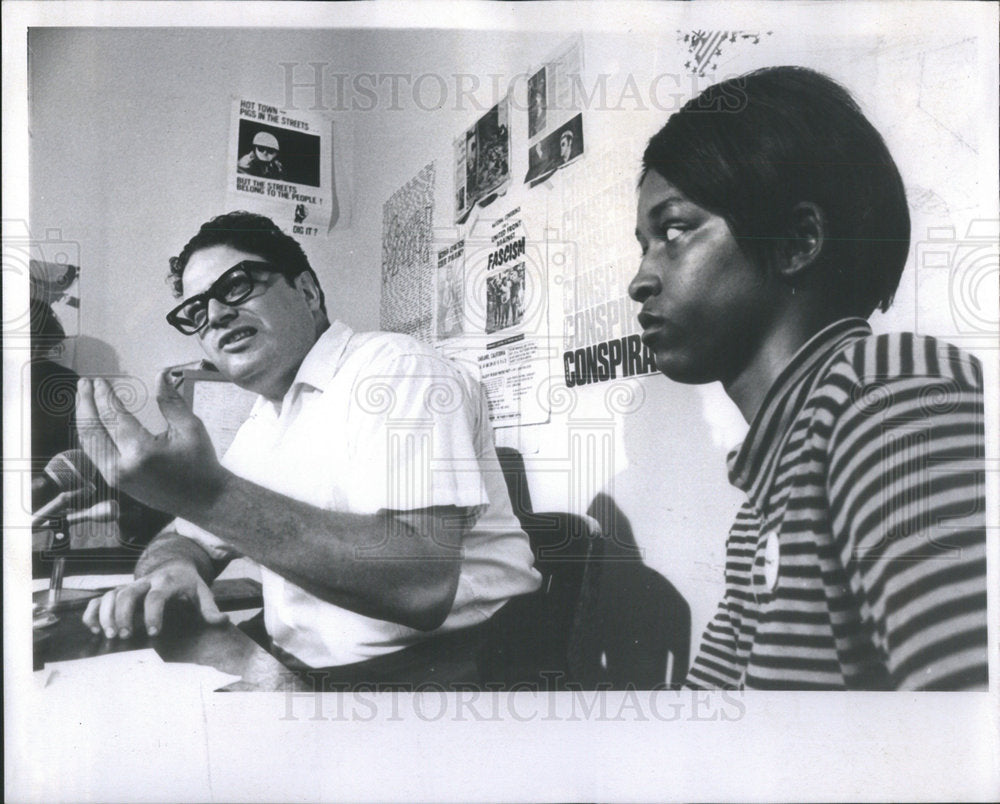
(602, 618)
(642, 634)
(517, 480)
(536, 640)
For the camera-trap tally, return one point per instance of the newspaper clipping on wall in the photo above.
(450, 295)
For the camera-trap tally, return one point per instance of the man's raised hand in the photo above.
(175, 471)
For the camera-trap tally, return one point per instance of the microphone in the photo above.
(69, 474)
(104, 511)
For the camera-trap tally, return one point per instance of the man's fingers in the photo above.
(90, 616)
(172, 405)
(55, 507)
(125, 603)
(121, 426)
(170, 378)
(104, 511)
(94, 437)
(155, 601)
(206, 602)
(106, 613)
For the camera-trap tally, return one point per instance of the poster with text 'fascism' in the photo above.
(507, 276)
(281, 164)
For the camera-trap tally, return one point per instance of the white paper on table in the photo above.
(130, 671)
(119, 717)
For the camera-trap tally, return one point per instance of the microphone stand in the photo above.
(55, 598)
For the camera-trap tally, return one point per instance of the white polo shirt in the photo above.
(379, 421)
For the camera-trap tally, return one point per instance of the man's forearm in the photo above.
(378, 565)
(174, 547)
(397, 566)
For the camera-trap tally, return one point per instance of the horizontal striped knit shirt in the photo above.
(858, 559)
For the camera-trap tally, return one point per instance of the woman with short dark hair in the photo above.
(773, 222)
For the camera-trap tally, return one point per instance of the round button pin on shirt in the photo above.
(772, 560)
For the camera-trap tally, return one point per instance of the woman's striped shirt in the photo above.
(858, 560)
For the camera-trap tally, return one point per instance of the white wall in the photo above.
(128, 158)
(129, 132)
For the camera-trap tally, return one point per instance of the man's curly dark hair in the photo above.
(247, 231)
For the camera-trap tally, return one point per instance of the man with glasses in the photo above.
(364, 482)
(263, 160)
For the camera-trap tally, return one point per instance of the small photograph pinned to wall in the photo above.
(471, 162)
(560, 148)
(482, 161)
(540, 163)
(492, 166)
(505, 298)
(279, 154)
(537, 103)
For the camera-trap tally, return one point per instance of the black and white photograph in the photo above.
(340, 467)
(505, 298)
(484, 160)
(472, 162)
(493, 155)
(269, 152)
(537, 103)
(558, 149)
(540, 164)
(263, 159)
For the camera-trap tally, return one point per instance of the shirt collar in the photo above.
(323, 360)
(752, 463)
(319, 366)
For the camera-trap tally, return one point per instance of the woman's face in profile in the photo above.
(705, 305)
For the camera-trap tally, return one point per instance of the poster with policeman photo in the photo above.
(281, 164)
